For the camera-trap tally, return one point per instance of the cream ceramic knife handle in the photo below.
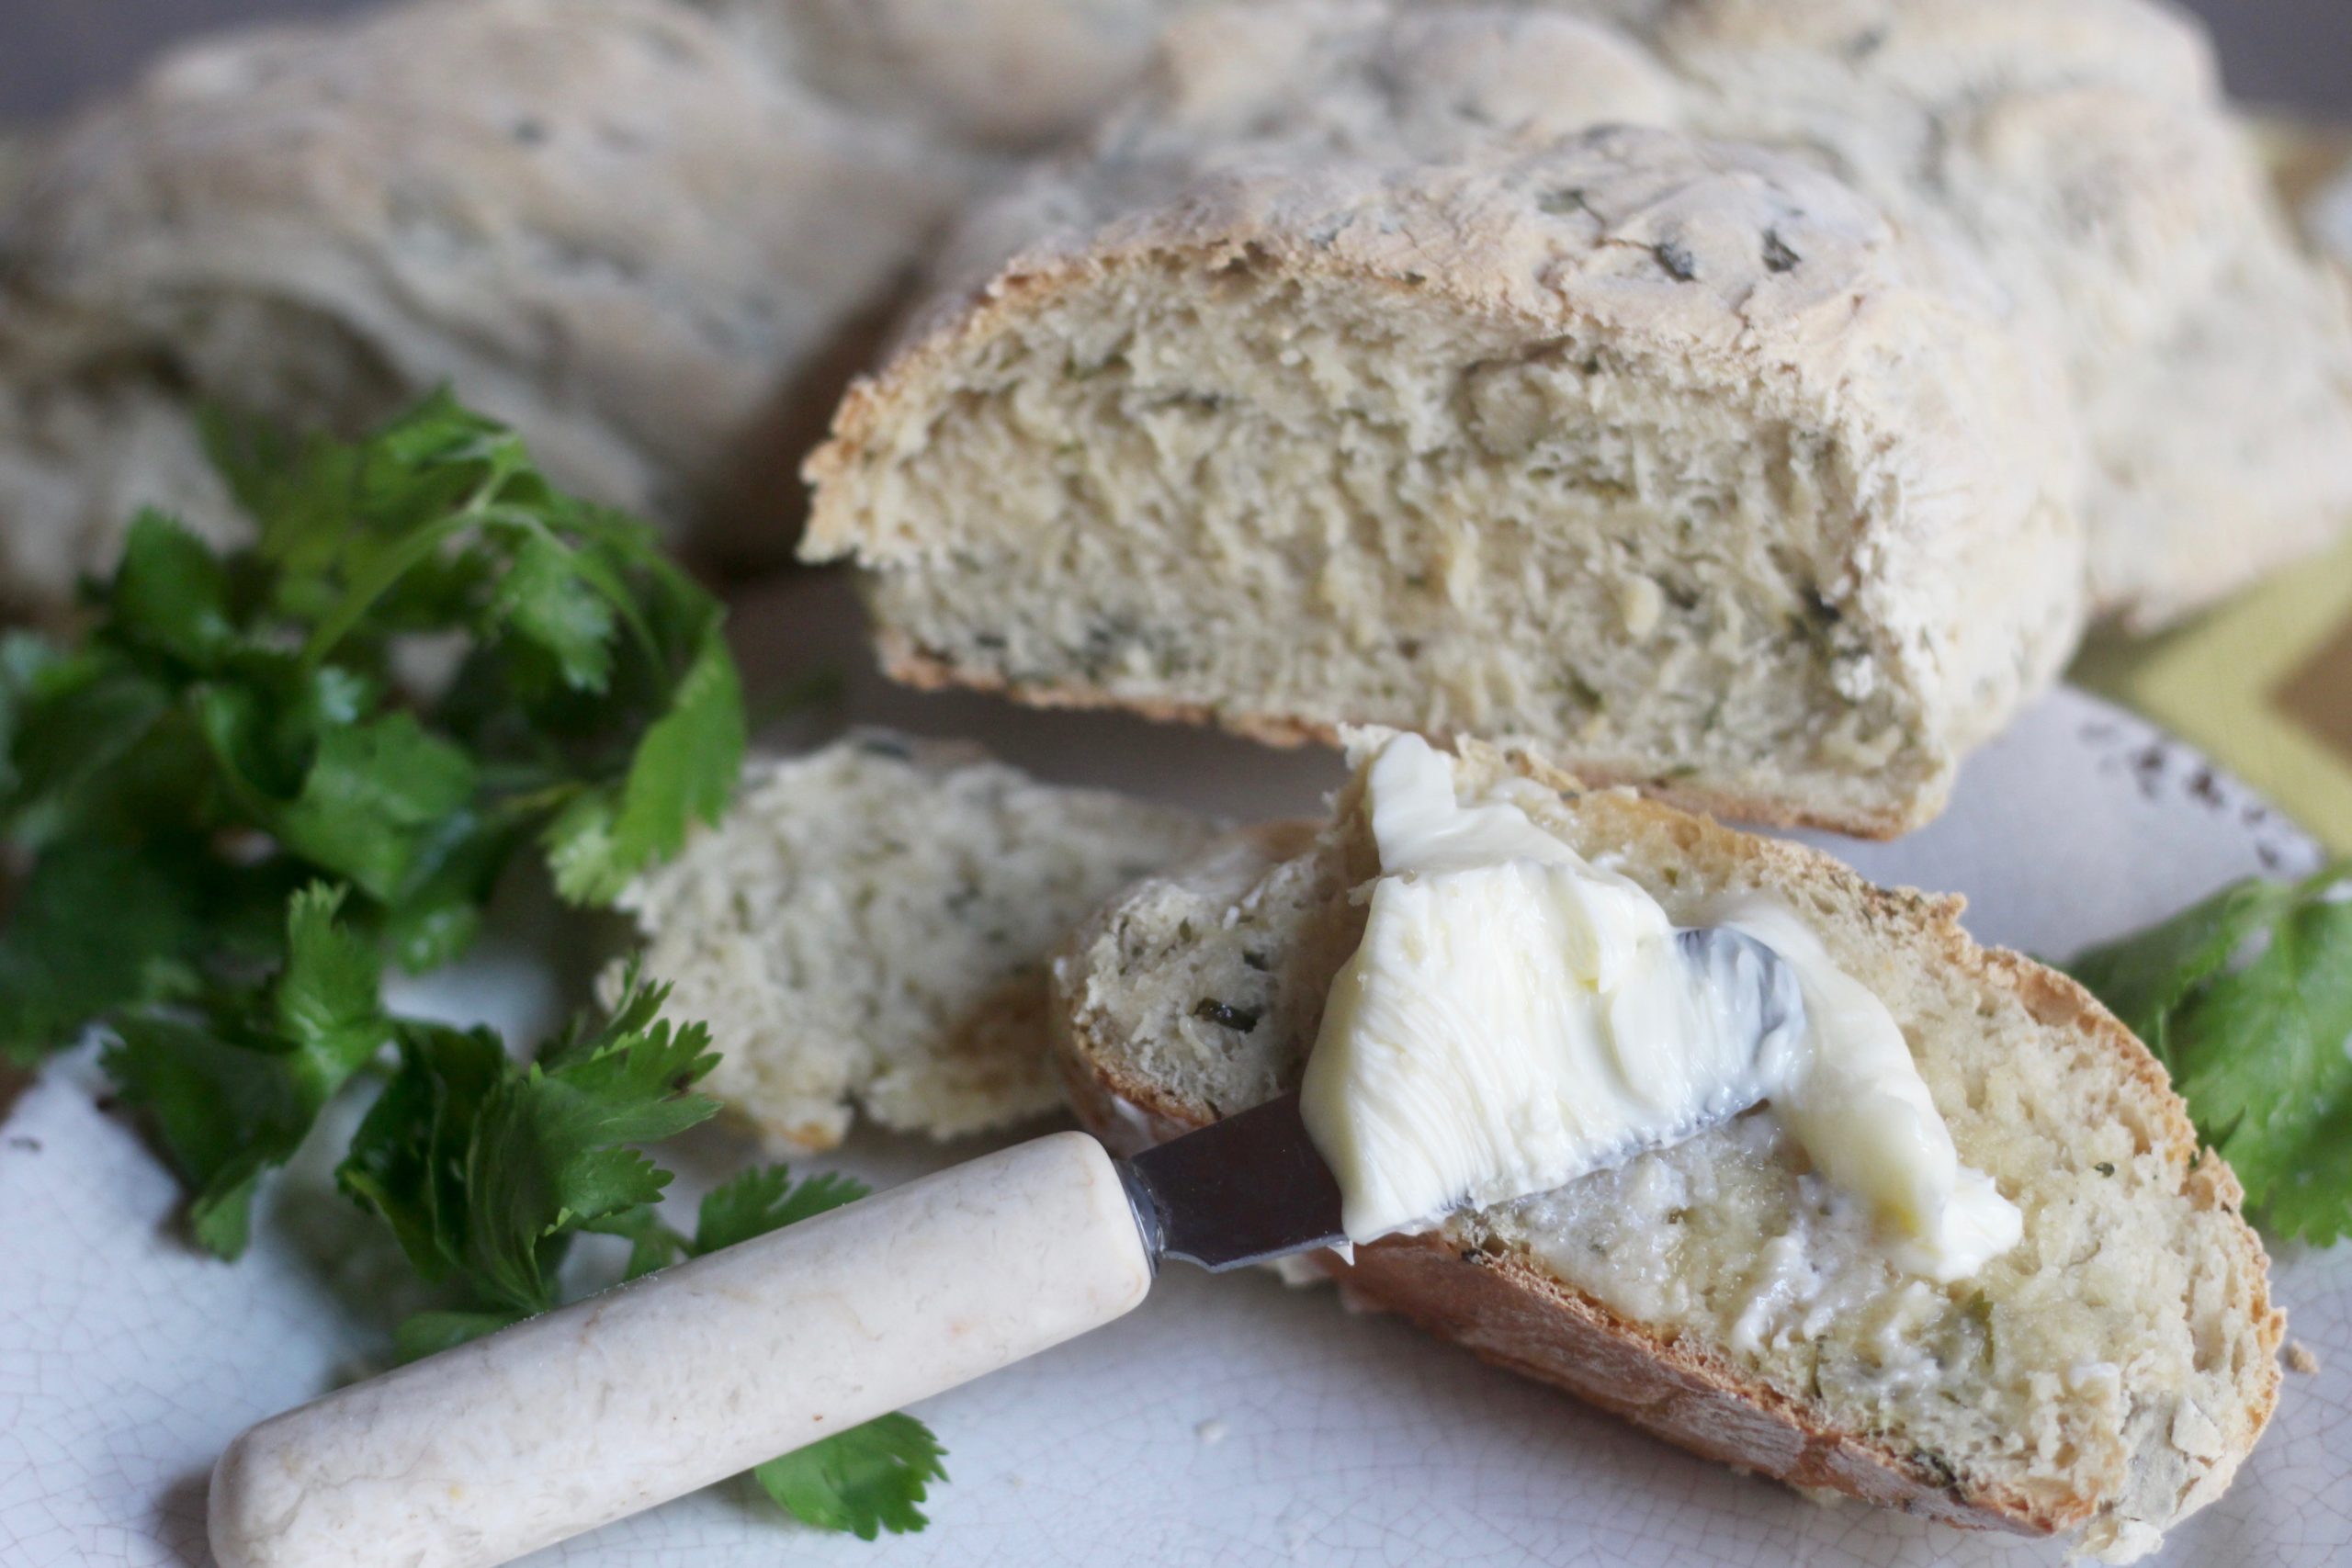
(568, 1421)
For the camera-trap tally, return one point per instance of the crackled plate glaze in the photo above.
(1229, 1421)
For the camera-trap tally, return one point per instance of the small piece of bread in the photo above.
(2100, 1380)
(869, 927)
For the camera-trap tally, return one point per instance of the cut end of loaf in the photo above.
(1129, 499)
(2101, 1381)
(1656, 506)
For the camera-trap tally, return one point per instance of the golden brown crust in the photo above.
(1506, 1310)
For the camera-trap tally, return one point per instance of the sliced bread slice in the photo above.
(1367, 373)
(2100, 1380)
(869, 927)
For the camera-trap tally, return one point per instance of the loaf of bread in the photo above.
(1355, 378)
(2083, 149)
(868, 930)
(1000, 74)
(1352, 375)
(2099, 1380)
(638, 230)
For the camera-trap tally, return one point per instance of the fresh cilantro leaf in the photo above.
(870, 1478)
(552, 1153)
(77, 719)
(651, 1243)
(378, 798)
(329, 1000)
(260, 773)
(410, 1159)
(171, 593)
(440, 912)
(482, 1167)
(864, 1481)
(234, 725)
(426, 1334)
(546, 599)
(2256, 1041)
(2310, 1195)
(765, 1199)
(232, 1097)
(2264, 1069)
(223, 1107)
(683, 772)
(96, 927)
(2143, 976)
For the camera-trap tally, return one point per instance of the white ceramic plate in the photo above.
(1228, 1421)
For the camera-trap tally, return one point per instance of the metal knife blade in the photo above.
(1245, 1189)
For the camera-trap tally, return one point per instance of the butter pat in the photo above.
(1517, 1017)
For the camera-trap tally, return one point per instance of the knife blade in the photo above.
(1245, 1190)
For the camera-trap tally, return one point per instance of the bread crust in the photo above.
(1505, 1309)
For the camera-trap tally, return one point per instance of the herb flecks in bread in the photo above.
(868, 929)
(1315, 445)
(1313, 390)
(1353, 379)
(2103, 1378)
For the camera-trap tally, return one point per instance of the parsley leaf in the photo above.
(235, 727)
(2255, 1044)
(235, 1087)
(763, 1200)
(864, 1481)
(259, 774)
(95, 926)
(483, 1167)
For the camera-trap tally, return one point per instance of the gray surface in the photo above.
(54, 53)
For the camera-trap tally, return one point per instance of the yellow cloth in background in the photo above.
(2263, 685)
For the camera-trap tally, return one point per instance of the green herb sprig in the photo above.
(299, 759)
(2247, 998)
(261, 774)
(487, 1170)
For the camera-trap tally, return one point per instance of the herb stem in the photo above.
(412, 552)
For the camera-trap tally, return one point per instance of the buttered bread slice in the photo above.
(2097, 1376)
